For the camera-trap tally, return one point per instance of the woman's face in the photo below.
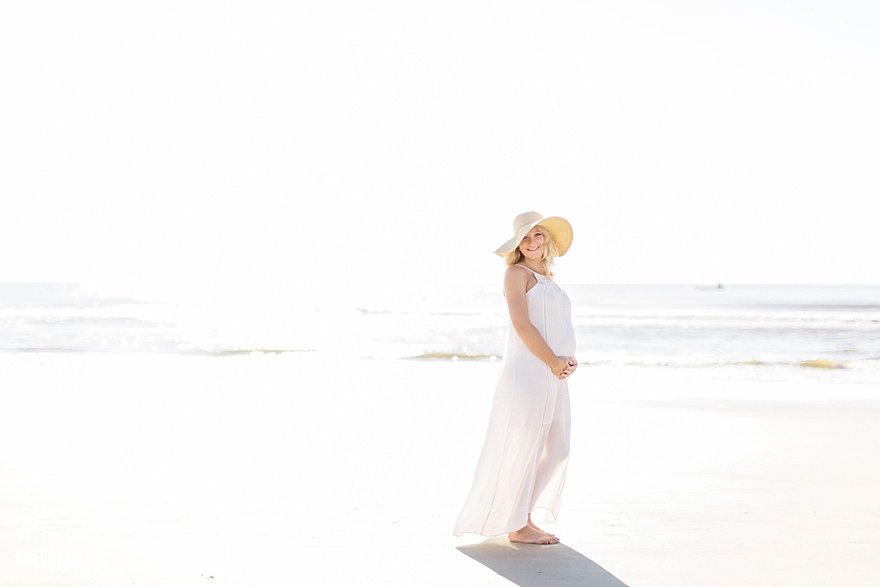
(532, 245)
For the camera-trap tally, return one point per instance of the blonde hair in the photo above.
(550, 252)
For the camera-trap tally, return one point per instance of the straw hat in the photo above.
(559, 229)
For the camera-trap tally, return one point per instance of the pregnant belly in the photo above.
(564, 342)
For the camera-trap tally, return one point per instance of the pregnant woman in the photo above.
(522, 466)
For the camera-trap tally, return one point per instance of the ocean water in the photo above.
(782, 332)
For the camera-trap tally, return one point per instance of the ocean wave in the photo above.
(427, 313)
(455, 356)
(698, 363)
(716, 318)
(872, 364)
(212, 351)
(248, 352)
(594, 316)
(827, 333)
(77, 320)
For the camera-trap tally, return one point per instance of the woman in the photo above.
(524, 459)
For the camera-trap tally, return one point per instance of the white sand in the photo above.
(296, 470)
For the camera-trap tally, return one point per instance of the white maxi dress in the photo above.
(522, 467)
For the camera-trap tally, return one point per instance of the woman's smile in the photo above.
(532, 244)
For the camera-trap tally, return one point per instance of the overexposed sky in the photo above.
(295, 145)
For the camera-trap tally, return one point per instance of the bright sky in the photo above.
(297, 145)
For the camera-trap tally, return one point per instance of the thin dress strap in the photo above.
(527, 269)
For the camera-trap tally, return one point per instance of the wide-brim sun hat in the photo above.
(558, 227)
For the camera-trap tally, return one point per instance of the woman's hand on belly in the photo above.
(570, 367)
(563, 367)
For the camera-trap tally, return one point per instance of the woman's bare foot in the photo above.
(529, 535)
(534, 527)
(532, 524)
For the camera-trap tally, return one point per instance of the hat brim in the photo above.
(558, 227)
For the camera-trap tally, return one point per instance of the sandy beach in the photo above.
(251, 317)
(295, 469)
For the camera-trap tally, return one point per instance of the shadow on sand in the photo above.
(531, 565)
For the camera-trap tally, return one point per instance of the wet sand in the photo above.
(166, 470)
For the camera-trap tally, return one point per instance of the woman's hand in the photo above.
(571, 367)
(564, 367)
